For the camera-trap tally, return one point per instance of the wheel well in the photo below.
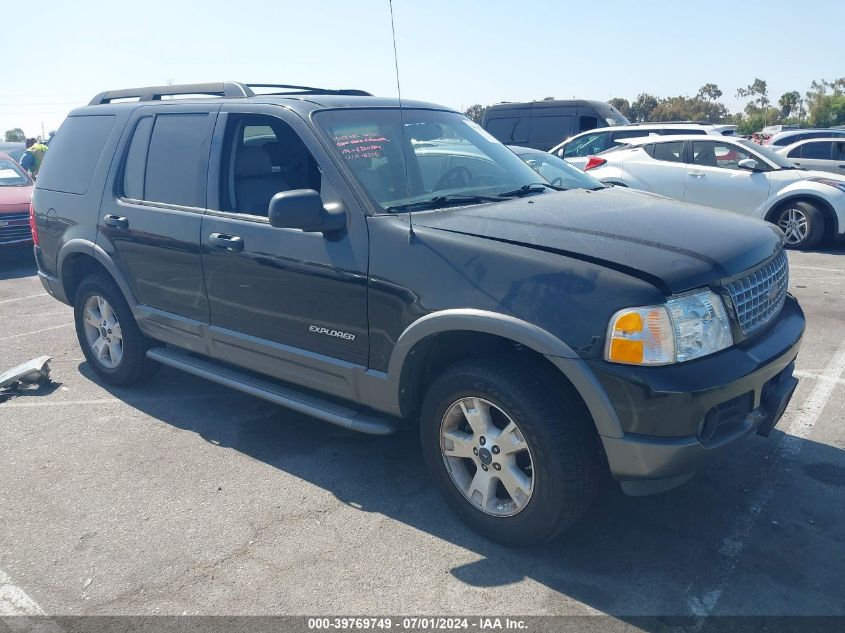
(831, 223)
(432, 355)
(77, 267)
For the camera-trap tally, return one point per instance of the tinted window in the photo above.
(795, 152)
(670, 152)
(822, 150)
(714, 154)
(840, 154)
(177, 161)
(136, 160)
(509, 129)
(588, 144)
(74, 151)
(670, 132)
(587, 123)
(550, 129)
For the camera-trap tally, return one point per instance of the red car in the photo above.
(15, 194)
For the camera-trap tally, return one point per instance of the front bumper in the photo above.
(675, 417)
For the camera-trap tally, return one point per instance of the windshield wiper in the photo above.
(438, 202)
(533, 187)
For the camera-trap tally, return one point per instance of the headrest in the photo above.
(252, 162)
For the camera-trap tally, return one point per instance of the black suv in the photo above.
(366, 261)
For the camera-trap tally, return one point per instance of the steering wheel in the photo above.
(454, 178)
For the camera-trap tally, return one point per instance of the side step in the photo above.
(326, 410)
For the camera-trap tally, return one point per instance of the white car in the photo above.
(576, 149)
(821, 154)
(732, 174)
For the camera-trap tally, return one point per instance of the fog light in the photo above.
(711, 422)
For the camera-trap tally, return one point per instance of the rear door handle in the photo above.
(116, 221)
(224, 242)
(697, 174)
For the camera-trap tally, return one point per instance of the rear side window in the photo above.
(509, 129)
(74, 152)
(587, 123)
(669, 152)
(795, 152)
(819, 150)
(177, 159)
(136, 160)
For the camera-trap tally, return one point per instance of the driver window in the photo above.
(713, 154)
(588, 145)
(262, 156)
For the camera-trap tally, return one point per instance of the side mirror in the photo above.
(561, 152)
(749, 164)
(303, 209)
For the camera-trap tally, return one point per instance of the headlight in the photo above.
(686, 327)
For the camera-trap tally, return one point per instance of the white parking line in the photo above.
(788, 448)
(830, 270)
(16, 404)
(40, 294)
(14, 600)
(46, 329)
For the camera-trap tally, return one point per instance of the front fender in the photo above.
(531, 336)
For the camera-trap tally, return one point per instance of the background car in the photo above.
(821, 154)
(556, 170)
(15, 196)
(541, 124)
(793, 136)
(576, 149)
(13, 150)
(733, 174)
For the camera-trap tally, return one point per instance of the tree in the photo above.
(790, 103)
(709, 92)
(642, 108)
(15, 135)
(758, 92)
(826, 102)
(475, 112)
(548, 98)
(623, 106)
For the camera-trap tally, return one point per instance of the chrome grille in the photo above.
(758, 297)
(14, 227)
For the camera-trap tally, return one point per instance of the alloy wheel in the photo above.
(103, 332)
(794, 224)
(487, 456)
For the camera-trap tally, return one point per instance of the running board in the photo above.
(326, 410)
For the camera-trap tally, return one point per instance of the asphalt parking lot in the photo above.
(184, 497)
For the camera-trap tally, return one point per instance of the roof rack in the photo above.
(225, 89)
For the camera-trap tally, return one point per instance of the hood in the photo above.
(12, 198)
(674, 245)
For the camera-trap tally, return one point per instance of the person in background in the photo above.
(32, 157)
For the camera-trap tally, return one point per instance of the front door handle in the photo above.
(697, 174)
(116, 221)
(224, 242)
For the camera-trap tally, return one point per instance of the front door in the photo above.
(715, 179)
(281, 300)
(153, 204)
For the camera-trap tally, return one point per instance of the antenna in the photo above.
(402, 123)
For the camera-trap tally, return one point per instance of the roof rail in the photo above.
(686, 122)
(228, 89)
(286, 89)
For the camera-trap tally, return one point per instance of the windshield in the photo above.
(558, 172)
(11, 175)
(436, 156)
(773, 157)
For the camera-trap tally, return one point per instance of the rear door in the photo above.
(814, 155)
(151, 212)
(658, 168)
(713, 178)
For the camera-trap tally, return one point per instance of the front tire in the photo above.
(514, 453)
(802, 224)
(109, 337)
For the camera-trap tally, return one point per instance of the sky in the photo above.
(452, 52)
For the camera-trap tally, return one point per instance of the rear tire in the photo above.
(109, 336)
(802, 224)
(549, 458)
